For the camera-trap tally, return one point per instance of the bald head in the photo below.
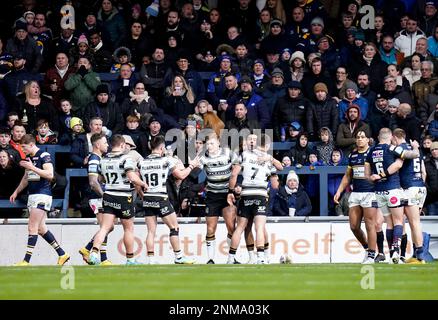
(404, 110)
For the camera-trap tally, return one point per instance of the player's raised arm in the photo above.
(180, 172)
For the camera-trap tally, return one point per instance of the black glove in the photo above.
(82, 71)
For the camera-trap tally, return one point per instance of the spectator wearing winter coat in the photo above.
(371, 63)
(432, 127)
(352, 97)
(240, 120)
(82, 86)
(152, 74)
(113, 23)
(139, 104)
(124, 84)
(426, 108)
(379, 115)
(276, 88)
(426, 85)
(121, 56)
(107, 110)
(431, 166)
(324, 111)
(179, 100)
(55, 78)
(182, 67)
(292, 199)
(432, 42)
(312, 182)
(325, 147)
(22, 44)
(15, 80)
(315, 75)
(299, 154)
(216, 85)
(365, 91)
(392, 90)
(81, 145)
(407, 39)
(334, 180)
(405, 119)
(292, 107)
(252, 100)
(345, 138)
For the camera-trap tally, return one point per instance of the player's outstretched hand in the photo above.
(375, 177)
(414, 144)
(194, 162)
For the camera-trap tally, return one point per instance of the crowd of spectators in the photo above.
(304, 68)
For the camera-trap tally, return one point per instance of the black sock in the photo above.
(403, 245)
(380, 240)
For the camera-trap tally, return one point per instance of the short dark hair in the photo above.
(117, 140)
(28, 138)
(157, 141)
(4, 130)
(96, 137)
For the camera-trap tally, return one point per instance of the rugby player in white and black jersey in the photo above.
(118, 169)
(154, 170)
(217, 163)
(256, 166)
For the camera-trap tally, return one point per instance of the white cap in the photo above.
(292, 176)
(394, 102)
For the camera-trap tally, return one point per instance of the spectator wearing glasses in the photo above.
(391, 90)
(426, 85)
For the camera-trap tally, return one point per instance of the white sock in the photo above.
(231, 257)
(228, 241)
(266, 254)
(211, 249)
(252, 255)
(260, 255)
(178, 254)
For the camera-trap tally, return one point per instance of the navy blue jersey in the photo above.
(380, 157)
(38, 185)
(410, 173)
(94, 170)
(356, 162)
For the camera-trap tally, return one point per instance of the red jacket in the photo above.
(51, 76)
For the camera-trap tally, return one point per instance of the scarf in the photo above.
(139, 97)
(367, 60)
(62, 72)
(289, 191)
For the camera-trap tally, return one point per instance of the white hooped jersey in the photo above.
(218, 169)
(154, 170)
(114, 168)
(255, 174)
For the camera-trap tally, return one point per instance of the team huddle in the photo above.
(118, 180)
(387, 182)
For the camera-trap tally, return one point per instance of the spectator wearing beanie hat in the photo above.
(324, 111)
(107, 110)
(292, 107)
(82, 49)
(292, 199)
(297, 64)
(352, 96)
(346, 135)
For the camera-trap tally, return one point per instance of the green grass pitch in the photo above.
(208, 282)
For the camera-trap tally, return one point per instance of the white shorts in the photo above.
(39, 201)
(96, 205)
(363, 199)
(389, 199)
(415, 196)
